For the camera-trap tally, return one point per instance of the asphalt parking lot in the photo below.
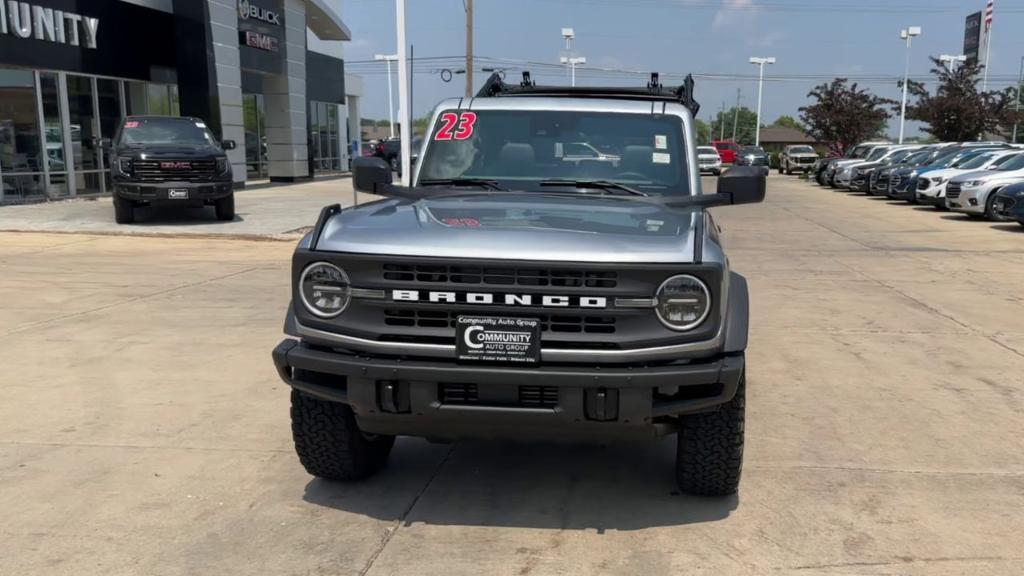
(143, 429)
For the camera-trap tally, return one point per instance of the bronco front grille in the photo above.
(174, 170)
(569, 323)
(500, 276)
(523, 396)
(953, 190)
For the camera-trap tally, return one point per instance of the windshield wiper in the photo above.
(607, 185)
(481, 182)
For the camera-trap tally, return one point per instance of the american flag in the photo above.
(989, 9)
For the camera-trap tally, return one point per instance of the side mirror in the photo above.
(228, 144)
(106, 144)
(743, 184)
(370, 173)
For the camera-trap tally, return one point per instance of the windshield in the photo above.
(958, 162)
(801, 150)
(706, 150)
(918, 157)
(898, 157)
(876, 154)
(521, 149)
(751, 150)
(977, 162)
(165, 131)
(1004, 159)
(859, 152)
(1015, 163)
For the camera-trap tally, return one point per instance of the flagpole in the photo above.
(990, 23)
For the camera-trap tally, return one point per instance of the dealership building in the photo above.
(268, 74)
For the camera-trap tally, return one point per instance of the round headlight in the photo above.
(683, 302)
(324, 289)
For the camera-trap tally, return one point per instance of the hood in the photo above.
(950, 172)
(986, 175)
(517, 226)
(709, 156)
(171, 151)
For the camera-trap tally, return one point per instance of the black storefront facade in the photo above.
(70, 70)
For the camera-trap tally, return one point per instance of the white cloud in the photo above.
(767, 41)
(734, 13)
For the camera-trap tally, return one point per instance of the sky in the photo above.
(812, 40)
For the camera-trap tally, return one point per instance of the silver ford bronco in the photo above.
(552, 273)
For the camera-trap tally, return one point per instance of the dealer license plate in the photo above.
(502, 340)
(177, 194)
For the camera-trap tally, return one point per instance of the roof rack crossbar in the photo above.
(655, 91)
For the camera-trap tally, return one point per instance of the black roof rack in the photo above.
(654, 91)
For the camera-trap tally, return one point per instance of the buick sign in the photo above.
(487, 298)
(247, 9)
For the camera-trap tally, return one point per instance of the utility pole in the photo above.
(736, 115)
(469, 47)
(403, 93)
(721, 123)
(391, 101)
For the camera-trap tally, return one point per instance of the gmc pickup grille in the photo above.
(571, 323)
(953, 190)
(500, 276)
(183, 171)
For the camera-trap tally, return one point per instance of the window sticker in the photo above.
(661, 158)
(459, 127)
(462, 222)
(131, 124)
(660, 141)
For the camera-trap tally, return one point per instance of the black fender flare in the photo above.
(290, 325)
(737, 321)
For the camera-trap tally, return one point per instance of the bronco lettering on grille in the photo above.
(485, 298)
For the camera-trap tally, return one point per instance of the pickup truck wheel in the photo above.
(329, 442)
(225, 208)
(124, 210)
(709, 454)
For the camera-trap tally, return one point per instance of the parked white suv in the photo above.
(931, 186)
(974, 193)
(709, 160)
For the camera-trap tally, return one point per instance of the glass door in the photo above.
(256, 164)
(86, 152)
(110, 111)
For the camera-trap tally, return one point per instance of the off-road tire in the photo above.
(225, 208)
(709, 452)
(330, 444)
(124, 210)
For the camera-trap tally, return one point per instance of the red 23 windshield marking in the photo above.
(457, 126)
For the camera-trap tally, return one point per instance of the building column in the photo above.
(224, 33)
(285, 102)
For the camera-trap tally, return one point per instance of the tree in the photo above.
(843, 114)
(958, 111)
(785, 121)
(746, 124)
(703, 130)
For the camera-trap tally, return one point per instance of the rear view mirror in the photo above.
(743, 184)
(371, 174)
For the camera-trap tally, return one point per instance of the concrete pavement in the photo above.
(143, 429)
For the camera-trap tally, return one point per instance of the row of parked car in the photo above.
(792, 159)
(980, 179)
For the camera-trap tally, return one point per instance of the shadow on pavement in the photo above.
(553, 486)
(1009, 227)
(175, 216)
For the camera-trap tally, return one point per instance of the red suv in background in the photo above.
(727, 149)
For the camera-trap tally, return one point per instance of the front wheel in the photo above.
(124, 210)
(709, 451)
(329, 442)
(990, 207)
(225, 208)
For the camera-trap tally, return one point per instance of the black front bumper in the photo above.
(410, 397)
(159, 193)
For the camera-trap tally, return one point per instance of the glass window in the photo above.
(137, 98)
(51, 122)
(175, 103)
(19, 122)
(159, 103)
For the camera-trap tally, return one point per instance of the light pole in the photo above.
(389, 58)
(950, 61)
(906, 34)
(1016, 107)
(403, 93)
(572, 62)
(568, 34)
(760, 62)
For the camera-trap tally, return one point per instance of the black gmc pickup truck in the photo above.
(169, 160)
